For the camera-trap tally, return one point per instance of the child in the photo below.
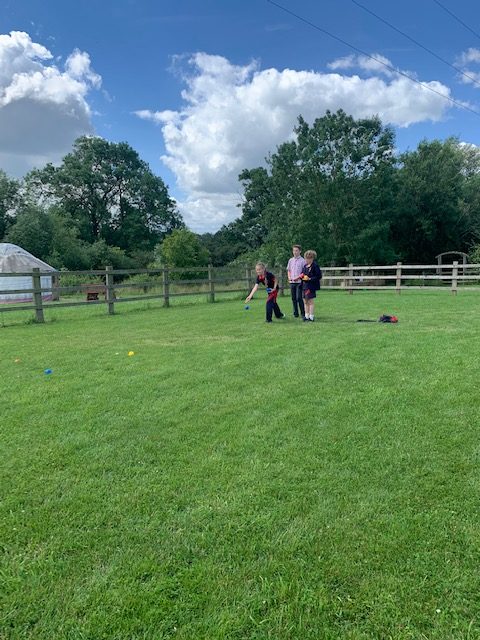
(312, 274)
(269, 280)
(295, 268)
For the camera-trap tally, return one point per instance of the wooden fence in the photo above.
(104, 286)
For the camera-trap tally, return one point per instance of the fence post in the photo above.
(211, 283)
(398, 281)
(455, 278)
(350, 277)
(109, 292)
(37, 295)
(55, 286)
(166, 286)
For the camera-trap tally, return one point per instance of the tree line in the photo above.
(102, 205)
(340, 187)
(337, 186)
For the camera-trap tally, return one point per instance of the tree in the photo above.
(258, 197)
(8, 199)
(222, 248)
(101, 254)
(109, 193)
(183, 248)
(49, 236)
(470, 204)
(432, 216)
(33, 231)
(332, 189)
(67, 251)
(345, 165)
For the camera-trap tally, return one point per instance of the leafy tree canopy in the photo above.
(109, 193)
(183, 248)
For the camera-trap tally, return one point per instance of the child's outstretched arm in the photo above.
(252, 293)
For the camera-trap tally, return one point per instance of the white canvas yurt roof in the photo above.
(14, 259)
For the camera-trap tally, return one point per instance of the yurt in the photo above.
(14, 259)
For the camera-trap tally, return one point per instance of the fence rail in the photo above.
(165, 283)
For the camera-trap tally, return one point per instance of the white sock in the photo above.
(311, 316)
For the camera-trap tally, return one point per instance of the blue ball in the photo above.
(48, 371)
(247, 307)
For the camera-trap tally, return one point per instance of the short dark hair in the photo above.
(297, 246)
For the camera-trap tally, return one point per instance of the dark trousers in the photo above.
(297, 298)
(272, 307)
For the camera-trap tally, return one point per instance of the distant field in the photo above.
(239, 480)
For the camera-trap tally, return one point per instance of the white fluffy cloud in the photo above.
(465, 61)
(233, 116)
(375, 63)
(42, 108)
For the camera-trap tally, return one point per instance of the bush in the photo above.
(181, 249)
(101, 254)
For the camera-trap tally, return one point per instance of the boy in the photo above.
(295, 268)
(269, 280)
(312, 274)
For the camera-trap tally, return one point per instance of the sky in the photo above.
(204, 89)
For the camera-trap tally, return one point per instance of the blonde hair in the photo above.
(310, 254)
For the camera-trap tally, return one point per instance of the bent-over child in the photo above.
(267, 279)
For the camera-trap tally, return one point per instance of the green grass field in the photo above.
(240, 480)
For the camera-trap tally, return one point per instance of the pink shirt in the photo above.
(295, 267)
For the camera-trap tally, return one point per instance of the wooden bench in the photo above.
(93, 291)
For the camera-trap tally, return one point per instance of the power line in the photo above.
(457, 18)
(364, 53)
(419, 44)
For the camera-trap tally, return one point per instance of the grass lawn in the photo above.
(240, 480)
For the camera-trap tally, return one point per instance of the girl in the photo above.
(312, 274)
(269, 280)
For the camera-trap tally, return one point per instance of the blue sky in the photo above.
(203, 89)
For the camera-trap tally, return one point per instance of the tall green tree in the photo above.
(345, 165)
(432, 217)
(332, 188)
(470, 203)
(109, 193)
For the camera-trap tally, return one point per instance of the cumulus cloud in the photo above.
(376, 63)
(42, 107)
(464, 61)
(470, 55)
(233, 116)
(205, 211)
(78, 66)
